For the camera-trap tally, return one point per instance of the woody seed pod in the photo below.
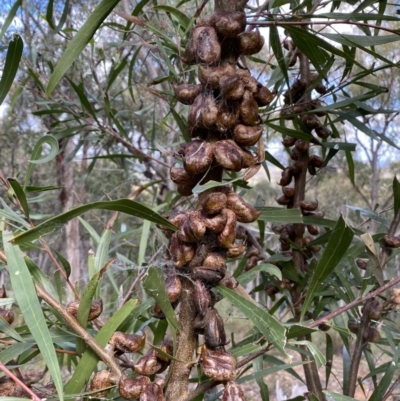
(186, 93)
(286, 177)
(226, 118)
(123, 342)
(201, 297)
(271, 290)
(213, 203)
(248, 110)
(182, 253)
(323, 132)
(287, 112)
(313, 230)
(372, 309)
(229, 282)
(209, 111)
(198, 157)
(100, 380)
(311, 169)
(245, 213)
(152, 392)
(393, 301)
(288, 141)
(7, 315)
(391, 241)
(148, 364)
(130, 388)
(362, 263)
(185, 190)
(216, 223)
(371, 334)
(210, 77)
(250, 43)
(208, 274)
(283, 200)
(167, 347)
(263, 96)
(208, 48)
(235, 250)
(95, 309)
(324, 326)
(192, 229)
(353, 326)
(246, 136)
(228, 155)
(229, 24)
(294, 155)
(173, 287)
(288, 191)
(308, 205)
(232, 88)
(214, 331)
(252, 262)
(218, 365)
(215, 260)
(316, 161)
(181, 177)
(302, 145)
(248, 158)
(233, 392)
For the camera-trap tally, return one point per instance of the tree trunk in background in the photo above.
(65, 178)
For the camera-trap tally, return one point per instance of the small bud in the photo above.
(372, 309)
(233, 392)
(148, 364)
(123, 342)
(353, 326)
(362, 263)
(95, 309)
(371, 334)
(130, 388)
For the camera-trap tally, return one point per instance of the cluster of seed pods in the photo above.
(223, 122)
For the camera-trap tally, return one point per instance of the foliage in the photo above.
(88, 95)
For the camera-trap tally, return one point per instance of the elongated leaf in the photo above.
(183, 19)
(103, 248)
(316, 353)
(13, 58)
(20, 194)
(12, 351)
(89, 360)
(396, 195)
(275, 43)
(154, 286)
(280, 215)
(373, 256)
(264, 267)
(127, 206)
(257, 367)
(80, 40)
(93, 234)
(268, 325)
(198, 189)
(337, 246)
(370, 214)
(10, 17)
(337, 397)
(8, 330)
(28, 301)
(363, 40)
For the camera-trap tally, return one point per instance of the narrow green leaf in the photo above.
(182, 18)
(268, 325)
(13, 58)
(316, 353)
(29, 304)
(89, 360)
(198, 189)
(9, 331)
(246, 277)
(396, 195)
(49, 14)
(13, 351)
(181, 124)
(337, 246)
(296, 330)
(95, 237)
(20, 194)
(34, 188)
(280, 215)
(373, 256)
(337, 397)
(153, 283)
(288, 131)
(370, 215)
(10, 17)
(274, 161)
(258, 367)
(80, 91)
(80, 40)
(275, 43)
(127, 206)
(363, 40)
(103, 248)
(65, 264)
(37, 150)
(329, 358)
(144, 238)
(350, 165)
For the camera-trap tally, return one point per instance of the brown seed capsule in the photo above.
(313, 230)
(8, 388)
(371, 334)
(7, 315)
(323, 132)
(294, 154)
(100, 380)
(391, 241)
(245, 213)
(3, 293)
(199, 325)
(209, 112)
(192, 229)
(286, 177)
(227, 237)
(152, 392)
(218, 365)
(208, 274)
(252, 262)
(233, 392)
(229, 24)
(210, 77)
(198, 157)
(123, 342)
(157, 312)
(148, 364)
(214, 331)
(182, 253)
(167, 347)
(248, 110)
(308, 205)
(302, 145)
(228, 155)
(226, 118)
(208, 48)
(246, 136)
(181, 177)
(235, 250)
(217, 260)
(321, 89)
(316, 161)
(372, 309)
(283, 200)
(186, 93)
(271, 290)
(353, 326)
(310, 121)
(216, 223)
(263, 96)
(288, 191)
(289, 141)
(249, 159)
(318, 213)
(95, 309)
(362, 263)
(130, 388)
(287, 112)
(185, 190)
(229, 282)
(311, 169)
(213, 203)
(324, 326)
(201, 297)
(250, 43)
(232, 88)
(393, 301)
(173, 287)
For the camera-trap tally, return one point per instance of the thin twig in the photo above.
(20, 383)
(391, 389)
